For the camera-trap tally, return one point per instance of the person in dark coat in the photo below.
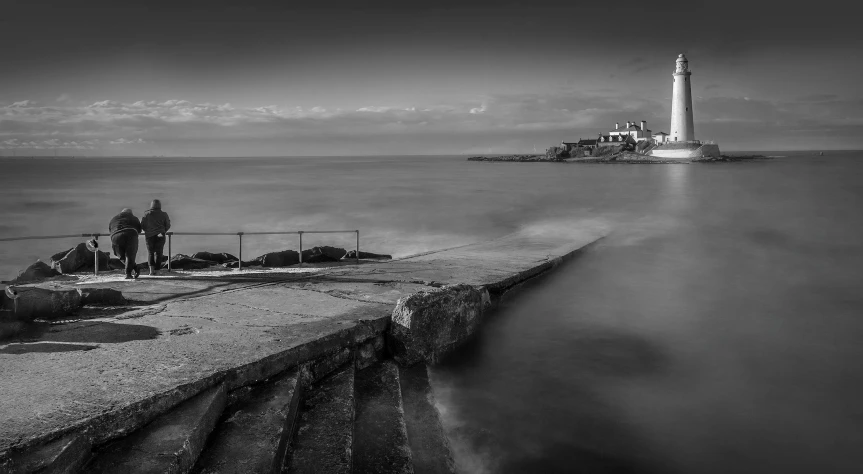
(124, 228)
(155, 223)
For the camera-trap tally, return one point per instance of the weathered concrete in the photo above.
(170, 444)
(325, 433)
(254, 433)
(429, 445)
(380, 437)
(105, 377)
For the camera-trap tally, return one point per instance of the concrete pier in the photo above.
(103, 377)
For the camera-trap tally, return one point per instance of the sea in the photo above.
(718, 328)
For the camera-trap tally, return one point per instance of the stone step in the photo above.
(62, 456)
(254, 433)
(325, 433)
(169, 444)
(380, 437)
(430, 449)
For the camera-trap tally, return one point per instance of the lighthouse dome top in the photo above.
(682, 65)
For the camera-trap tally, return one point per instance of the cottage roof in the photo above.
(660, 133)
(626, 129)
(587, 141)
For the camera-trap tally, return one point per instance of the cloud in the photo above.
(22, 104)
(54, 143)
(502, 121)
(818, 97)
(64, 97)
(127, 141)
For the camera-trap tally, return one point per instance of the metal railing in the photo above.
(96, 235)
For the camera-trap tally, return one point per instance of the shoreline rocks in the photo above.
(366, 255)
(218, 258)
(78, 258)
(185, 262)
(35, 272)
(624, 156)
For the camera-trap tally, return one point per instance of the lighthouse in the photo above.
(682, 128)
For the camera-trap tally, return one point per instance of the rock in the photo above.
(78, 259)
(279, 259)
(236, 264)
(115, 264)
(429, 324)
(367, 255)
(185, 262)
(57, 256)
(41, 303)
(145, 267)
(323, 254)
(214, 257)
(102, 297)
(35, 272)
(556, 153)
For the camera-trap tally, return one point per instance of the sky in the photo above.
(257, 78)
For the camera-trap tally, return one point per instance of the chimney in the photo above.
(627, 124)
(616, 125)
(643, 125)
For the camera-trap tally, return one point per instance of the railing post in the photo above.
(96, 257)
(301, 247)
(240, 256)
(358, 246)
(169, 249)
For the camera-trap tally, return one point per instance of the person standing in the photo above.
(155, 223)
(124, 228)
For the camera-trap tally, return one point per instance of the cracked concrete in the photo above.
(105, 377)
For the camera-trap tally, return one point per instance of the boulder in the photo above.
(429, 324)
(115, 264)
(35, 272)
(41, 303)
(185, 262)
(236, 264)
(214, 257)
(78, 259)
(279, 259)
(57, 256)
(367, 255)
(323, 254)
(145, 267)
(102, 297)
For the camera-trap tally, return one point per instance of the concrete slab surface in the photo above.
(106, 371)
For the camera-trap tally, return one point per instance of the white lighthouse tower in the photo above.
(682, 127)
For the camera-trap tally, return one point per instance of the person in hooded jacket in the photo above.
(155, 223)
(124, 228)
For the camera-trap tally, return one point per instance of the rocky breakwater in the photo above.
(81, 260)
(530, 158)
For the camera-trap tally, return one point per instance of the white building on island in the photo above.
(639, 133)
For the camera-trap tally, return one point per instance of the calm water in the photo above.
(718, 328)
